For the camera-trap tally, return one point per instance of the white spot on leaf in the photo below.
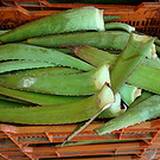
(28, 82)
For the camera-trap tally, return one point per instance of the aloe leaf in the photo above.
(4, 104)
(15, 65)
(153, 53)
(116, 40)
(146, 110)
(119, 26)
(130, 59)
(52, 71)
(67, 21)
(37, 98)
(129, 93)
(27, 52)
(85, 124)
(61, 114)
(114, 110)
(6, 98)
(146, 76)
(141, 76)
(82, 126)
(65, 50)
(95, 56)
(72, 84)
(145, 95)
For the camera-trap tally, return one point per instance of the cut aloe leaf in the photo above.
(119, 26)
(82, 126)
(116, 40)
(87, 123)
(154, 54)
(5, 104)
(145, 76)
(27, 52)
(52, 71)
(131, 57)
(146, 110)
(67, 21)
(6, 98)
(67, 113)
(114, 110)
(15, 65)
(72, 84)
(129, 93)
(65, 50)
(145, 95)
(37, 98)
(141, 75)
(95, 56)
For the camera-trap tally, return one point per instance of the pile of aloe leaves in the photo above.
(73, 67)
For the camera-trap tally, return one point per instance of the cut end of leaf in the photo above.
(105, 97)
(138, 93)
(132, 29)
(129, 93)
(141, 38)
(102, 76)
(100, 21)
(154, 54)
(98, 17)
